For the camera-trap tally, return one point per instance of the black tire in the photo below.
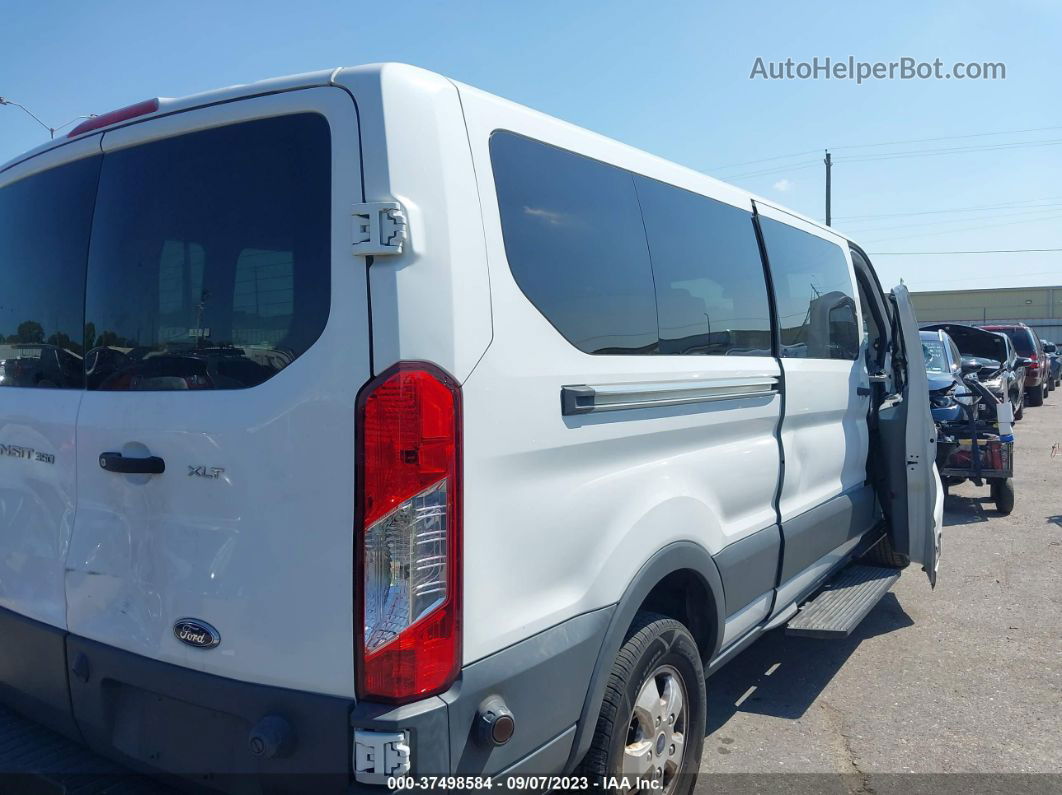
(1002, 491)
(883, 554)
(1019, 412)
(1035, 397)
(654, 643)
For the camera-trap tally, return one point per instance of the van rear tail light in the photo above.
(407, 605)
(115, 116)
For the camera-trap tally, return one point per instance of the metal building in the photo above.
(1038, 307)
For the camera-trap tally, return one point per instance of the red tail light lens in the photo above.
(115, 116)
(408, 600)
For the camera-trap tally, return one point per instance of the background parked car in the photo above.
(944, 373)
(39, 365)
(1055, 361)
(1028, 346)
(1002, 369)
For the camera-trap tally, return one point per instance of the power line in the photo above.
(966, 279)
(766, 160)
(949, 137)
(777, 170)
(1039, 209)
(952, 150)
(799, 166)
(1015, 203)
(891, 143)
(982, 251)
(978, 227)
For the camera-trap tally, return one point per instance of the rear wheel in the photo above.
(1035, 397)
(1002, 491)
(1019, 409)
(884, 554)
(650, 731)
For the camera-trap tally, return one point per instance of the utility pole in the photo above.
(829, 165)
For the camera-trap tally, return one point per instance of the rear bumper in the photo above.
(165, 719)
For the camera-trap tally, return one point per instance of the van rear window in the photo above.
(44, 232)
(209, 263)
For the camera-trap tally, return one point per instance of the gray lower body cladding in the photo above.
(166, 719)
(817, 532)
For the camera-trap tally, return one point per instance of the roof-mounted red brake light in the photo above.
(115, 116)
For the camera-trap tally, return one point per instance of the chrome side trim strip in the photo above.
(585, 399)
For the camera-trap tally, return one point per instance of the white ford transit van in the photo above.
(362, 425)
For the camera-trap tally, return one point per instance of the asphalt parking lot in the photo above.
(966, 678)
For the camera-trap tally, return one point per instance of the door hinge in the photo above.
(380, 228)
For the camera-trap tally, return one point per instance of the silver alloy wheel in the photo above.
(656, 735)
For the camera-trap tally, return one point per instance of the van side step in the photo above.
(843, 603)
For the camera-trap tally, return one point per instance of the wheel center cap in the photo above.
(661, 741)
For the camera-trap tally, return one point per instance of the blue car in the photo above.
(944, 371)
(1054, 358)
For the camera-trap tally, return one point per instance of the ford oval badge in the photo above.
(196, 633)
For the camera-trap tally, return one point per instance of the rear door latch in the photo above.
(380, 228)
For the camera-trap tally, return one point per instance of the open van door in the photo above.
(911, 495)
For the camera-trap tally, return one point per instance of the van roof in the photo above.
(167, 105)
(325, 77)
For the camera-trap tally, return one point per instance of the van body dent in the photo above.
(362, 424)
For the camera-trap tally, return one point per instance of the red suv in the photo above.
(1028, 346)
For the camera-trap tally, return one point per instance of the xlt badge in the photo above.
(213, 473)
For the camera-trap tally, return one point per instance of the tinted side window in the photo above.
(814, 294)
(710, 287)
(44, 233)
(575, 244)
(209, 266)
(1023, 341)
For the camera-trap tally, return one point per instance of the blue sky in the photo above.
(671, 78)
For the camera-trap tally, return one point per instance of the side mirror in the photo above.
(1023, 361)
(971, 365)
